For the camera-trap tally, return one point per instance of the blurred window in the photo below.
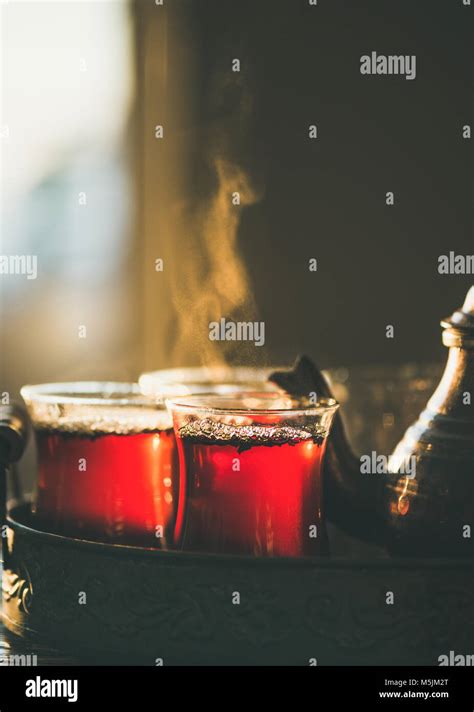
(66, 85)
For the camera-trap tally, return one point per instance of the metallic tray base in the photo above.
(140, 605)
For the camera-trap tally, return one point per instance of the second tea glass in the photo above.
(251, 473)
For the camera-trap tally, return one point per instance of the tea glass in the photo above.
(107, 462)
(251, 473)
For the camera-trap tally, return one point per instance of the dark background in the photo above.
(322, 198)
(325, 198)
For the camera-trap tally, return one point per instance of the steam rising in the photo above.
(208, 278)
(211, 280)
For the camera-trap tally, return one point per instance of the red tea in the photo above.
(250, 489)
(119, 487)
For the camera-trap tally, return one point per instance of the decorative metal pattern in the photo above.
(142, 604)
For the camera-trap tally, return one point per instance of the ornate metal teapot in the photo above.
(423, 503)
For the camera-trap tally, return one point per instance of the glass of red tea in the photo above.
(107, 463)
(251, 473)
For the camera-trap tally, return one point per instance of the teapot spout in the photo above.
(353, 502)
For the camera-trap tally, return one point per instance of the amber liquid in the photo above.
(262, 500)
(109, 487)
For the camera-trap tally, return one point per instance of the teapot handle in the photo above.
(14, 432)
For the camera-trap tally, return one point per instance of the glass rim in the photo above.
(95, 393)
(162, 381)
(202, 403)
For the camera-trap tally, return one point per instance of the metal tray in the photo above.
(144, 606)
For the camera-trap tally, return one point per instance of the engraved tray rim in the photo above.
(18, 513)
